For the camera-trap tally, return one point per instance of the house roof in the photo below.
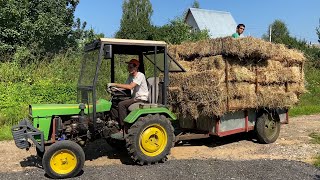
(219, 23)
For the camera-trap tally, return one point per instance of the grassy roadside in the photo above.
(310, 101)
(5, 133)
(316, 140)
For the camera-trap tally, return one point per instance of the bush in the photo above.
(46, 81)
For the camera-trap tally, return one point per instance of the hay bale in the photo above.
(297, 88)
(175, 95)
(242, 90)
(275, 96)
(207, 63)
(276, 72)
(243, 49)
(187, 65)
(242, 96)
(206, 99)
(194, 79)
(228, 74)
(238, 73)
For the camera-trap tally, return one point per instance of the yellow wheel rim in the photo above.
(63, 161)
(153, 140)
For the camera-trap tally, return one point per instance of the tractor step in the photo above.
(119, 136)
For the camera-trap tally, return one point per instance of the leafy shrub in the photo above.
(42, 82)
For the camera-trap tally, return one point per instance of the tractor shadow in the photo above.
(93, 150)
(215, 141)
(100, 148)
(31, 161)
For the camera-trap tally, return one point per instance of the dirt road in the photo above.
(293, 144)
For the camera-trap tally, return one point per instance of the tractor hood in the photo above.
(45, 110)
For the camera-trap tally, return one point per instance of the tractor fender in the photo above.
(135, 114)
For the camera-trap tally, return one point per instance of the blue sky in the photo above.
(301, 16)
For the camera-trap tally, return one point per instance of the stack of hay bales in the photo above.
(227, 74)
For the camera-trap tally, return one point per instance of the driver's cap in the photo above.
(134, 62)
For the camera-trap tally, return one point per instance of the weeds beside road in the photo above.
(309, 103)
(316, 140)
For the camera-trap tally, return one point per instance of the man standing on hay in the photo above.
(239, 31)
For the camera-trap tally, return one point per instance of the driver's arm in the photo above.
(125, 86)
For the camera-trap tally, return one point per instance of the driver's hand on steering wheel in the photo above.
(109, 85)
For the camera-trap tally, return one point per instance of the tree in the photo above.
(318, 31)
(81, 36)
(136, 24)
(39, 27)
(136, 20)
(196, 4)
(279, 32)
(177, 31)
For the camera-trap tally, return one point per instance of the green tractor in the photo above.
(59, 130)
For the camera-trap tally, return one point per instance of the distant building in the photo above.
(218, 23)
(317, 45)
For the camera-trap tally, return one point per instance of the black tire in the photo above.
(150, 139)
(267, 128)
(68, 156)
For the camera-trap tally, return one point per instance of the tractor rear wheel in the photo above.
(150, 139)
(267, 128)
(63, 159)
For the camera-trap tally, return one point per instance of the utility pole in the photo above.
(270, 32)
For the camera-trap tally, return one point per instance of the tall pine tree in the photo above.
(136, 20)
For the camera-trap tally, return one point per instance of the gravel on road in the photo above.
(191, 169)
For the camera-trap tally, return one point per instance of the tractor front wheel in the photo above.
(63, 159)
(150, 139)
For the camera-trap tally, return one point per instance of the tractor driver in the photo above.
(137, 83)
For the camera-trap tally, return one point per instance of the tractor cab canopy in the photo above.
(145, 48)
(152, 55)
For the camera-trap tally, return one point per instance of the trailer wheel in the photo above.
(150, 139)
(267, 128)
(63, 159)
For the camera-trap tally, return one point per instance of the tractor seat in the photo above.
(153, 87)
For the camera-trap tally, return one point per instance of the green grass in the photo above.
(304, 110)
(316, 140)
(315, 137)
(5, 133)
(309, 103)
(317, 162)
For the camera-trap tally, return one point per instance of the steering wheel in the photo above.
(113, 89)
